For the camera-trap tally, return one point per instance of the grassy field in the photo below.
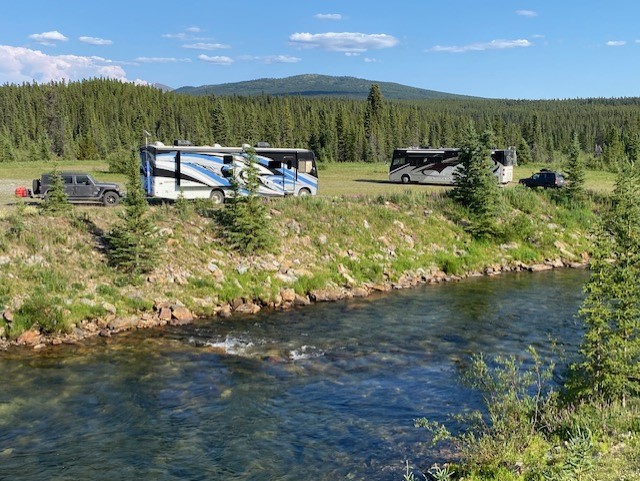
(335, 179)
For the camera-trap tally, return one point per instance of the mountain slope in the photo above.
(312, 85)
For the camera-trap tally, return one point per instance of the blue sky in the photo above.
(530, 49)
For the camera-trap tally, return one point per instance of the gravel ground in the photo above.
(8, 188)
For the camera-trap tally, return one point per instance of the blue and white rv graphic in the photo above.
(193, 172)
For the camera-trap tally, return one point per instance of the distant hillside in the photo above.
(312, 85)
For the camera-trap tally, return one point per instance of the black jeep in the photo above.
(545, 178)
(80, 187)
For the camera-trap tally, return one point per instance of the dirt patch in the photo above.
(8, 189)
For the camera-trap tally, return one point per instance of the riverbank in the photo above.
(56, 286)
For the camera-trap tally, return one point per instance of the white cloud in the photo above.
(616, 43)
(280, 59)
(526, 13)
(344, 41)
(20, 64)
(161, 60)
(269, 59)
(95, 40)
(206, 46)
(328, 16)
(370, 60)
(218, 60)
(48, 38)
(188, 35)
(474, 47)
(179, 36)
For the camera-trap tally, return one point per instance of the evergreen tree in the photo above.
(372, 120)
(56, 200)
(476, 187)
(613, 151)
(524, 152)
(246, 223)
(575, 191)
(609, 367)
(133, 243)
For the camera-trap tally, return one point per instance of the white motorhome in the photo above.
(171, 171)
(438, 166)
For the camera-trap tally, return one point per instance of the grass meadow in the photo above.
(335, 179)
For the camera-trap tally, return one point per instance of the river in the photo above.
(325, 392)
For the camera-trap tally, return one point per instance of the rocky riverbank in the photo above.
(57, 287)
(164, 313)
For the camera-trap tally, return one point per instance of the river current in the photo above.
(326, 392)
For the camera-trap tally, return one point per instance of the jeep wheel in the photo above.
(110, 199)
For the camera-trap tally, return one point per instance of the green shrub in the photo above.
(516, 400)
(41, 310)
(246, 224)
(56, 200)
(450, 263)
(522, 198)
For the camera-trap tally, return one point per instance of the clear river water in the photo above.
(326, 392)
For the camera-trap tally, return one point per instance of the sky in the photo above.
(522, 49)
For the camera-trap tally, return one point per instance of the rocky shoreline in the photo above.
(175, 313)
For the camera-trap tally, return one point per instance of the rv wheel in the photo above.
(405, 179)
(217, 196)
(303, 192)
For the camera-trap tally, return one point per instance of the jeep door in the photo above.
(84, 187)
(69, 185)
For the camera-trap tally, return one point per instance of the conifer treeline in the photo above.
(101, 119)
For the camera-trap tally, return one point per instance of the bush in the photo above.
(40, 310)
(246, 224)
(56, 200)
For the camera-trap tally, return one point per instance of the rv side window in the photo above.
(289, 161)
(433, 158)
(305, 166)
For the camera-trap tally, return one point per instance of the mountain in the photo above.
(164, 88)
(313, 85)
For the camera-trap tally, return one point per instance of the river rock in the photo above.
(164, 314)
(119, 324)
(110, 308)
(360, 292)
(288, 295)
(555, 263)
(248, 308)
(301, 300)
(7, 315)
(540, 267)
(29, 338)
(326, 295)
(181, 315)
(224, 311)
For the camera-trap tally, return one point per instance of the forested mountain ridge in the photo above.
(314, 85)
(105, 119)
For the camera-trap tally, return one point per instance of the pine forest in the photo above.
(106, 119)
